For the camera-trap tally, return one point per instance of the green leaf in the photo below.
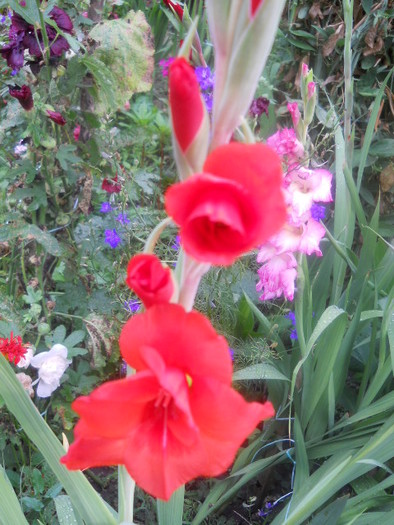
(125, 48)
(331, 513)
(171, 512)
(65, 511)
(259, 371)
(31, 231)
(65, 156)
(11, 511)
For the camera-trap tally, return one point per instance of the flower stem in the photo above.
(347, 66)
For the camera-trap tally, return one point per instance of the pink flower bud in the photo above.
(305, 70)
(85, 14)
(77, 132)
(294, 112)
(311, 89)
(127, 105)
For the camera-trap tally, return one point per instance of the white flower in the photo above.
(25, 361)
(51, 366)
(20, 148)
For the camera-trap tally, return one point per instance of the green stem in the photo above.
(46, 53)
(347, 63)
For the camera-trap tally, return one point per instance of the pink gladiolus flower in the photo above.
(306, 186)
(305, 70)
(286, 145)
(294, 112)
(304, 238)
(277, 275)
(311, 89)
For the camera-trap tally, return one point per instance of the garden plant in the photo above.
(196, 262)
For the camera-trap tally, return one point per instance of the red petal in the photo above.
(114, 407)
(94, 452)
(184, 340)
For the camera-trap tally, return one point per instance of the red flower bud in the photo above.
(149, 279)
(23, 95)
(235, 205)
(187, 110)
(176, 7)
(254, 5)
(56, 117)
(77, 132)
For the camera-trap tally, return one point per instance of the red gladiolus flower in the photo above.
(176, 7)
(235, 205)
(111, 186)
(187, 109)
(12, 349)
(23, 95)
(56, 117)
(149, 279)
(175, 419)
(254, 5)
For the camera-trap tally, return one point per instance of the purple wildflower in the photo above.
(259, 106)
(205, 77)
(231, 354)
(293, 333)
(208, 99)
(318, 212)
(165, 65)
(132, 306)
(112, 238)
(176, 244)
(122, 218)
(105, 207)
(123, 369)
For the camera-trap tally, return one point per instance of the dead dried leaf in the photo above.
(387, 178)
(330, 44)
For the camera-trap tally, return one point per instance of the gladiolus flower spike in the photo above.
(235, 205)
(176, 418)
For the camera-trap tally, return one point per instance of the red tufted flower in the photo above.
(111, 185)
(149, 279)
(175, 419)
(12, 349)
(235, 205)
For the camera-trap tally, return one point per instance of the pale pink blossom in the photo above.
(277, 277)
(304, 187)
(304, 238)
(26, 382)
(286, 145)
(294, 112)
(51, 366)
